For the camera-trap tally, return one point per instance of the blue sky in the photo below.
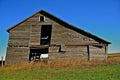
(99, 17)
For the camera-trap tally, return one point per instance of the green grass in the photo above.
(100, 72)
(69, 70)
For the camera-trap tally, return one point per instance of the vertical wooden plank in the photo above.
(88, 51)
(106, 51)
(30, 35)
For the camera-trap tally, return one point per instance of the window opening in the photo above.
(38, 54)
(45, 34)
(41, 18)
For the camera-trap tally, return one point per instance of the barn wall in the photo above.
(28, 31)
(63, 35)
(18, 44)
(97, 53)
(21, 38)
(27, 34)
(31, 28)
(71, 52)
(17, 55)
(35, 35)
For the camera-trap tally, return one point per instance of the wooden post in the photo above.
(2, 61)
(106, 51)
(88, 51)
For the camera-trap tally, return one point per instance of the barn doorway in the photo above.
(37, 54)
(45, 34)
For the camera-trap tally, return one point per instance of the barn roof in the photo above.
(58, 20)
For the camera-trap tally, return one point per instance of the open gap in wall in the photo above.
(99, 46)
(37, 53)
(45, 34)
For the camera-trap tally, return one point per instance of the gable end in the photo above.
(67, 25)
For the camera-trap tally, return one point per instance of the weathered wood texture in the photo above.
(71, 52)
(62, 35)
(35, 35)
(17, 55)
(28, 33)
(97, 53)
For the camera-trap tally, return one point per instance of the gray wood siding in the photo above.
(71, 52)
(35, 35)
(63, 35)
(97, 53)
(17, 55)
(28, 33)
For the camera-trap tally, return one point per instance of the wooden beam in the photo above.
(106, 51)
(86, 44)
(88, 51)
(39, 46)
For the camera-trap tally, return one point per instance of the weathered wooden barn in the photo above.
(43, 33)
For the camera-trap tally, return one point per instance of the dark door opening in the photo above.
(45, 34)
(35, 54)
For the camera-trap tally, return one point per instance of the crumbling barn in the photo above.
(43, 33)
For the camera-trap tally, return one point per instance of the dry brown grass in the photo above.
(112, 59)
(114, 55)
(54, 64)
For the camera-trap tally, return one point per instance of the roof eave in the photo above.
(8, 30)
(73, 27)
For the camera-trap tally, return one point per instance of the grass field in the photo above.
(114, 56)
(86, 71)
